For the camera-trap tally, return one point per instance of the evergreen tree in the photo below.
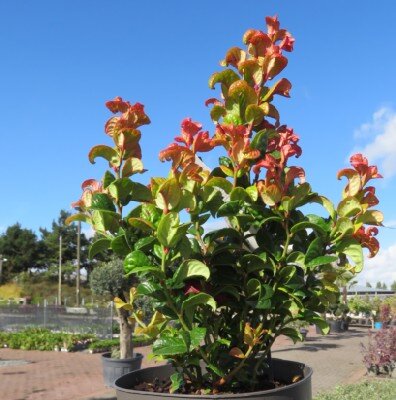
(21, 249)
(368, 284)
(378, 285)
(393, 286)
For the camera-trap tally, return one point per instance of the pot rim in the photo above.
(307, 376)
(107, 356)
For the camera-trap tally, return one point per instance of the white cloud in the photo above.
(380, 268)
(381, 136)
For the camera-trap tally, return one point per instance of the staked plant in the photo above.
(221, 298)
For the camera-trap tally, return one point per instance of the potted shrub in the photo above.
(337, 317)
(106, 280)
(222, 297)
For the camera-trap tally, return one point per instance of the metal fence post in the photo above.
(111, 318)
(45, 313)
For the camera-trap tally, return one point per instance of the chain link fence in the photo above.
(97, 320)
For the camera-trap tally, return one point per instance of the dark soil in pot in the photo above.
(284, 371)
(114, 368)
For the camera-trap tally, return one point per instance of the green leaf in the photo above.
(176, 382)
(167, 228)
(242, 93)
(226, 77)
(266, 294)
(344, 226)
(322, 260)
(132, 166)
(120, 246)
(217, 112)
(326, 203)
(107, 179)
(352, 249)
(197, 335)
(292, 333)
(252, 192)
(307, 225)
(169, 346)
(192, 302)
(321, 324)
(145, 243)
(170, 232)
(349, 207)
(370, 217)
(106, 152)
(239, 194)
(142, 224)
(120, 189)
(101, 201)
(296, 257)
(228, 209)
(315, 249)
(98, 246)
(140, 192)
(135, 259)
(103, 221)
(254, 114)
(253, 287)
(252, 262)
(77, 217)
(189, 269)
(221, 183)
(260, 140)
(168, 195)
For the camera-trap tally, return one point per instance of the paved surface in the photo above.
(335, 359)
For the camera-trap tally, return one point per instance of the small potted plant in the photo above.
(221, 298)
(108, 280)
(338, 318)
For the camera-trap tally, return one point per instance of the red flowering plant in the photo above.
(222, 297)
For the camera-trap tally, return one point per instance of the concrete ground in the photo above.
(335, 359)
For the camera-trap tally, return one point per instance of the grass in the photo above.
(370, 389)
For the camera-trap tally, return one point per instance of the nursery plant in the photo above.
(222, 297)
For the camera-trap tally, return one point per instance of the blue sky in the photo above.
(61, 60)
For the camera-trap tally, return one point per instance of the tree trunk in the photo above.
(126, 349)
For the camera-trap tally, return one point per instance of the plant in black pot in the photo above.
(222, 297)
(108, 280)
(337, 317)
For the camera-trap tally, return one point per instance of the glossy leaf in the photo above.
(315, 249)
(140, 192)
(106, 152)
(168, 346)
(349, 207)
(228, 209)
(307, 225)
(104, 221)
(101, 201)
(142, 224)
(254, 114)
(98, 246)
(322, 260)
(135, 259)
(168, 195)
(351, 248)
(120, 246)
(195, 300)
(120, 189)
(226, 77)
(132, 166)
(176, 382)
(189, 269)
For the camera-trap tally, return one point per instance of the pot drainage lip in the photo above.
(11, 363)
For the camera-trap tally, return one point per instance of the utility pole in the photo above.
(60, 272)
(78, 264)
(1, 267)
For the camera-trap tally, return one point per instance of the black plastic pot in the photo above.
(114, 368)
(283, 370)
